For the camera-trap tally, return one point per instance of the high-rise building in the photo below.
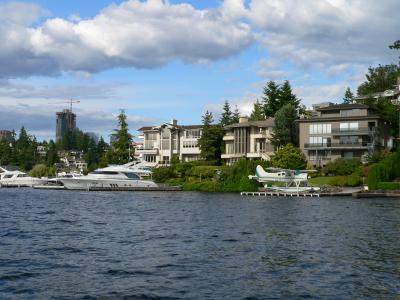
(5, 134)
(66, 121)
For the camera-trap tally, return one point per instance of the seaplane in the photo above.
(295, 180)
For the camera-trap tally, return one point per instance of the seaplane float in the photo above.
(295, 180)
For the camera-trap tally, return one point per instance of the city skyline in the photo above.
(161, 60)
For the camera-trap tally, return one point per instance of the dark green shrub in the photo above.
(388, 186)
(162, 174)
(353, 180)
(388, 169)
(349, 180)
(342, 166)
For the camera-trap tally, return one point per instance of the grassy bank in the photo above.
(198, 176)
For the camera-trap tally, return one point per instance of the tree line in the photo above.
(22, 150)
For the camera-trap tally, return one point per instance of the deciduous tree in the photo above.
(289, 157)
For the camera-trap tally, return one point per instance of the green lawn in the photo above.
(319, 181)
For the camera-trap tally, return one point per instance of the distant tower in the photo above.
(66, 121)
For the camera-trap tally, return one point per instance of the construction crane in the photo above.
(69, 101)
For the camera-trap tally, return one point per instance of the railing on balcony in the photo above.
(355, 131)
(336, 145)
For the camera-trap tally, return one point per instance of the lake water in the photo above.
(88, 245)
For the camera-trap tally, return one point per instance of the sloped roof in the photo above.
(342, 107)
(147, 128)
(265, 123)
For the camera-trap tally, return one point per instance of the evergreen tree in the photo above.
(236, 115)
(119, 153)
(257, 113)
(52, 155)
(102, 148)
(286, 96)
(91, 156)
(210, 142)
(395, 45)
(226, 116)
(25, 150)
(271, 103)
(379, 79)
(284, 131)
(348, 96)
(6, 152)
(207, 119)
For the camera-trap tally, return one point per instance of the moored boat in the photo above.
(18, 179)
(113, 177)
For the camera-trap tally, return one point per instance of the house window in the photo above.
(353, 126)
(320, 128)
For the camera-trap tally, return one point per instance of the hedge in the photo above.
(388, 169)
(388, 186)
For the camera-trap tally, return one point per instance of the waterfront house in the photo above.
(342, 131)
(162, 142)
(248, 139)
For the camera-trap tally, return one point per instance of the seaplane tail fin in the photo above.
(260, 172)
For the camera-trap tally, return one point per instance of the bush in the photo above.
(202, 186)
(342, 167)
(349, 180)
(162, 174)
(388, 186)
(386, 170)
(289, 157)
(42, 170)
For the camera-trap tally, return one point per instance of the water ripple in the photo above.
(89, 245)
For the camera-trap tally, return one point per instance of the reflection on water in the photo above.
(65, 244)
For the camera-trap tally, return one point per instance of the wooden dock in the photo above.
(282, 194)
(279, 194)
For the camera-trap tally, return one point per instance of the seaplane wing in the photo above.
(279, 175)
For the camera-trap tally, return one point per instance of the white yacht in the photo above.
(140, 168)
(18, 179)
(111, 177)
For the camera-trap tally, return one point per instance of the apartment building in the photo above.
(342, 131)
(248, 139)
(6, 134)
(161, 143)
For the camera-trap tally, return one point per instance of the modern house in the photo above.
(248, 139)
(392, 94)
(161, 143)
(342, 131)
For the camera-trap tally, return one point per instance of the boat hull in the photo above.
(87, 184)
(22, 182)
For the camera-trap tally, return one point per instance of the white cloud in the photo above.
(312, 94)
(133, 34)
(324, 34)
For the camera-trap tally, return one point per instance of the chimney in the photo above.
(243, 119)
(174, 122)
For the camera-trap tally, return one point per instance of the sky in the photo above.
(162, 60)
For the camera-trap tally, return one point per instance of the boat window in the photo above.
(132, 176)
(8, 176)
(22, 175)
(105, 172)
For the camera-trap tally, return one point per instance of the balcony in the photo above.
(147, 151)
(362, 145)
(228, 137)
(349, 131)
